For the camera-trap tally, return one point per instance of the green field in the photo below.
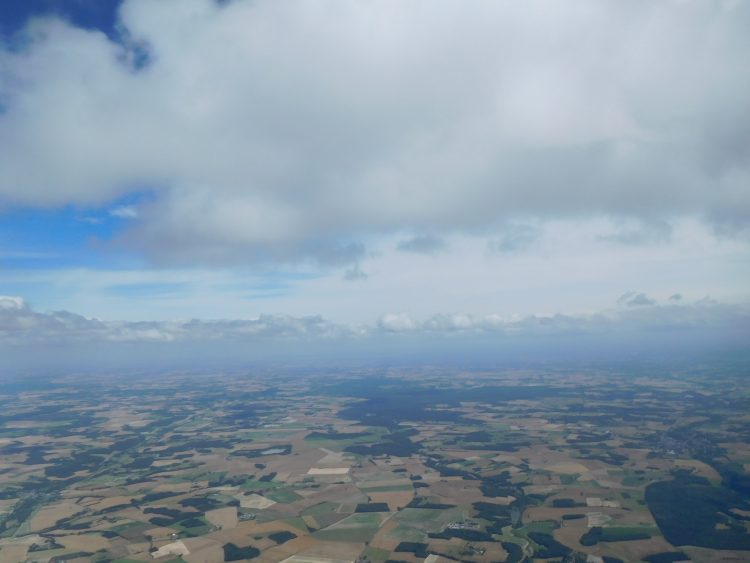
(283, 495)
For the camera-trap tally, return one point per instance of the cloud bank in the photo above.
(285, 131)
(60, 341)
(638, 314)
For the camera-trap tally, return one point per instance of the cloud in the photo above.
(707, 300)
(21, 325)
(422, 244)
(355, 273)
(514, 238)
(643, 232)
(275, 131)
(124, 212)
(396, 322)
(9, 303)
(633, 299)
(453, 322)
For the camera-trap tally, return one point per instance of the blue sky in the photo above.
(60, 238)
(96, 15)
(382, 168)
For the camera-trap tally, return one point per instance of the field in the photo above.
(517, 465)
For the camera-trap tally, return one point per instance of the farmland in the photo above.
(514, 465)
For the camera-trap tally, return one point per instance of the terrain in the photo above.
(647, 463)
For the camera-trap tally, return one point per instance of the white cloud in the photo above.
(280, 131)
(10, 303)
(124, 212)
(396, 322)
(456, 322)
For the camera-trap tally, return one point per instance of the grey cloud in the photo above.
(641, 300)
(355, 273)
(633, 299)
(514, 238)
(262, 126)
(676, 297)
(625, 297)
(422, 244)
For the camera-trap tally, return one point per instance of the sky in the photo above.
(432, 179)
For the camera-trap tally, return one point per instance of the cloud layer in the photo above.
(21, 325)
(283, 131)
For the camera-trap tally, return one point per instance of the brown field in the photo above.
(203, 550)
(344, 493)
(287, 549)
(224, 518)
(255, 501)
(452, 547)
(84, 542)
(172, 487)
(13, 553)
(308, 559)
(138, 548)
(394, 500)
(237, 536)
(105, 503)
(334, 550)
(382, 539)
(456, 491)
(493, 552)
(164, 462)
(49, 515)
(253, 528)
(566, 467)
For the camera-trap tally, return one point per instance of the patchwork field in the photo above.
(402, 467)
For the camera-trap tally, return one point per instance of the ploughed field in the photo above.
(638, 463)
